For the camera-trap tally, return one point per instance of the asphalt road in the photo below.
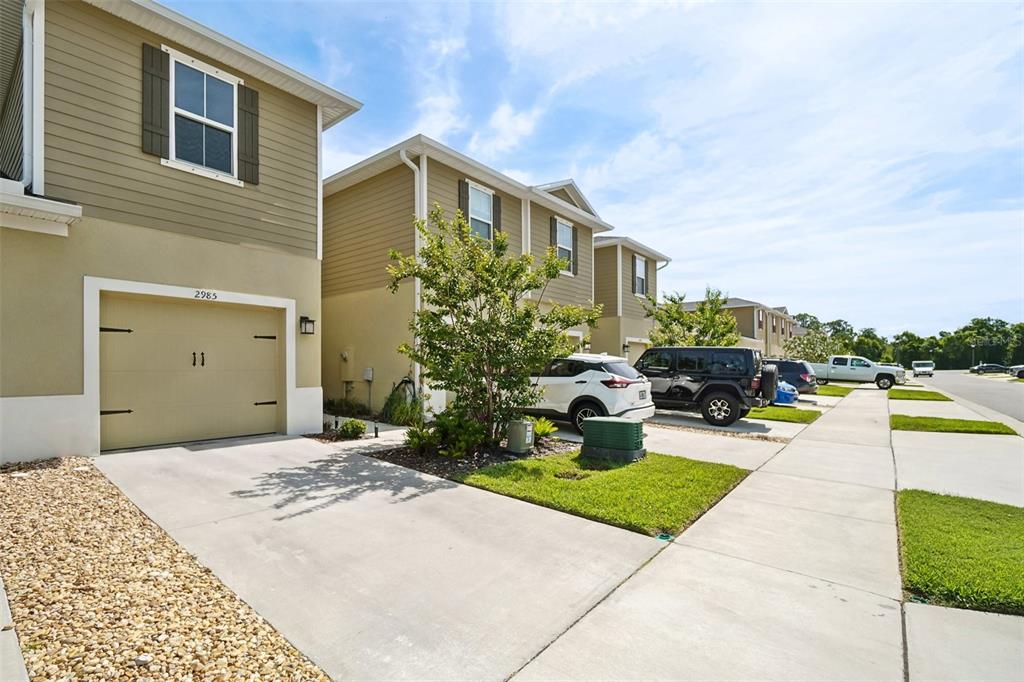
(995, 392)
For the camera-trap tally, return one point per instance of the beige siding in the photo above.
(576, 289)
(93, 144)
(631, 303)
(564, 196)
(746, 321)
(443, 188)
(606, 280)
(360, 224)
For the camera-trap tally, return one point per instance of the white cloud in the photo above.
(506, 128)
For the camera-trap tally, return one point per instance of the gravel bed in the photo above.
(728, 434)
(450, 467)
(99, 591)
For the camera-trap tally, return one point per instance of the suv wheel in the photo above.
(583, 411)
(884, 382)
(720, 409)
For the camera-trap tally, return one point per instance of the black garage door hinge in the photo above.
(267, 402)
(115, 329)
(105, 412)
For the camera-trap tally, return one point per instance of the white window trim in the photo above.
(235, 81)
(639, 260)
(563, 221)
(469, 208)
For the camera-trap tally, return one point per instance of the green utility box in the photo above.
(616, 438)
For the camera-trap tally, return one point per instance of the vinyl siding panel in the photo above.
(746, 321)
(631, 303)
(360, 224)
(443, 188)
(567, 288)
(94, 135)
(606, 279)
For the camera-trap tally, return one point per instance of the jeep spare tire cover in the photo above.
(769, 381)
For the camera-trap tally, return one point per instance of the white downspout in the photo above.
(418, 201)
(319, 183)
(618, 280)
(37, 8)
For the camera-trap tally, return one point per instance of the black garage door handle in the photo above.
(193, 359)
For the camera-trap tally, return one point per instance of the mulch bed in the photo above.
(451, 467)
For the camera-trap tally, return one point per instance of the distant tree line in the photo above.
(984, 339)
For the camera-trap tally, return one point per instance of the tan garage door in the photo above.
(174, 370)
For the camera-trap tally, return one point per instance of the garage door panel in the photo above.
(150, 371)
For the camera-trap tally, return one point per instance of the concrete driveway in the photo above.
(375, 571)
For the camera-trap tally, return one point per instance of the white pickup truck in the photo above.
(854, 368)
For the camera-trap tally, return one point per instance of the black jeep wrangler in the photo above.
(723, 383)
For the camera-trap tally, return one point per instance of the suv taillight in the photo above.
(805, 376)
(616, 382)
(755, 383)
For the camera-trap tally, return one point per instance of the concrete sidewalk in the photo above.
(793, 575)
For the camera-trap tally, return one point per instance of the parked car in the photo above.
(584, 385)
(988, 368)
(855, 368)
(723, 383)
(1016, 371)
(796, 372)
(923, 368)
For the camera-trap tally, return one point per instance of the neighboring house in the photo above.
(159, 231)
(626, 271)
(370, 207)
(761, 327)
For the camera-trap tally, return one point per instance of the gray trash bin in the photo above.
(520, 436)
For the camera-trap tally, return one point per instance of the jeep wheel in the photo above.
(720, 409)
(884, 382)
(585, 411)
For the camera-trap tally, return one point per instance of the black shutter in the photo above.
(647, 276)
(156, 101)
(632, 259)
(464, 199)
(575, 251)
(554, 232)
(496, 212)
(248, 135)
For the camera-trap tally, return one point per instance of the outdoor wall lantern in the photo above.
(306, 325)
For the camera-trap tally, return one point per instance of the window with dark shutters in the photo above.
(496, 212)
(632, 277)
(575, 250)
(156, 101)
(248, 135)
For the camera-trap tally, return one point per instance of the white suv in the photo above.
(926, 367)
(585, 385)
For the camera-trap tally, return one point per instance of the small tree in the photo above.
(477, 334)
(814, 346)
(708, 324)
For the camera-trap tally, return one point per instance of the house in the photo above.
(760, 326)
(160, 232)
(626, 272)
(370, 207)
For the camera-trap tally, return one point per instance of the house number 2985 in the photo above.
(206, 295)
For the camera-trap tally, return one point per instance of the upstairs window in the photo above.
(563, 234)
(774, 323)
(203, 106)
(639, 275)
(760, 319)
(481, 213)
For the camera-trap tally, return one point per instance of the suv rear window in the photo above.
(691, 360)
(657, 360)
(787, 366)
(621, 369)
(565, 368)
(728, 362)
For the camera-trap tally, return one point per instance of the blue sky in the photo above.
(862, 161)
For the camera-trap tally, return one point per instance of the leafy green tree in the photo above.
(842, 332)
(814, 346)
(869, 344)
(708, 324)
(1015, 347)
(807, 321)
(908, 346)
(478, 331)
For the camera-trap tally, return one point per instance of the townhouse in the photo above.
(370, 208)
(626, 273)
(760, 326)
(160, 231)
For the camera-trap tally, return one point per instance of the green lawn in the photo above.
(962, 552)
(658, 494)
(784, 414)
(901, 422)
(834, 391)
(904, 394)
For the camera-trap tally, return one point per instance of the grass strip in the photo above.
(962, 552)
(784, 414)
(658, 494)
(905, 394)
(834, 391)
(902, 422)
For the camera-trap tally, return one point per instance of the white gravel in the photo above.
(98, 591)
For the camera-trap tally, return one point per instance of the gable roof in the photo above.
(421, 144)
(572, 189)
(152, 16)
(733, 302)
(642, 249)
